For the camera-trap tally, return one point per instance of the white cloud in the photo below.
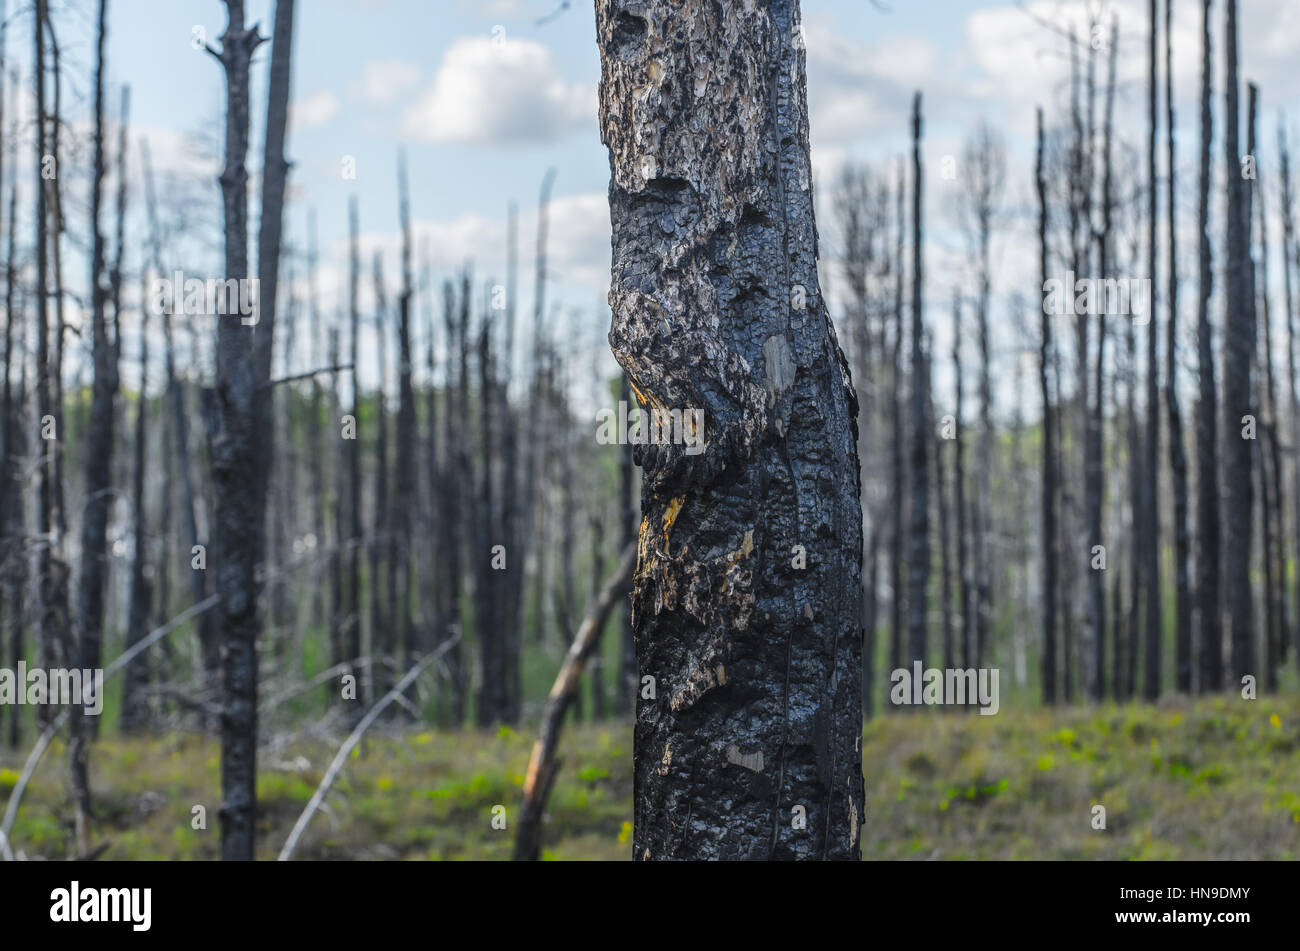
(314, 109)
(491, 93)
(856, 89)
(384, 81)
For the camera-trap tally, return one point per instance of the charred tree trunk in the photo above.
(406, 440)
(898, 496)
(234, 442)
(1177, 451)
(1150, 535)
(965, 589)
(1292, 341)
(1049, 444)
(758, 713)
(352, 612)
(135, 711)
(1096, 489)
(918, 560)
(452, 521)
(381, 629)
(1238, 355)
(1210, 634)
(1269, 452)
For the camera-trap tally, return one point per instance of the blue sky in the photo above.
(485, 95)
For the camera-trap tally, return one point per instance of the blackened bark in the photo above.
(1210, 633)
(382, 635)
(1096, 472)
(99, 447)
(452, 521)
(234, 451)
(351, 635)
(406, 439)
(1268, 453)
(757, 717)
(491, 706)
(918, 560)
(1238, 356)
(1049, 489)
(1288, 262)
(275, 170)
(1150, 534)
(15, 444)
(315, 435)
(512, 576)
(1177, 451)
(898, 487)
(965, 587)
(135, 710)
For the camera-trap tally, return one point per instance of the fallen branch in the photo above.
(34, 757)
(542, 765)
(344, 667)
(353, 739)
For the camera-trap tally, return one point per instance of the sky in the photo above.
(486, 95)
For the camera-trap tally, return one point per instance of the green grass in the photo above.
(1212, 778)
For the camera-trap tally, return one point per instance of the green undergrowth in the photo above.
(1211, 778)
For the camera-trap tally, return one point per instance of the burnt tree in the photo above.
(716, 306)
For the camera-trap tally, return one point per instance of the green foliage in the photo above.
(1205, 779)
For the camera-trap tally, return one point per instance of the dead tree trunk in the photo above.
(965, 587)
(1210, 634)
(918, 559)
(352, 612)
(135, 710)
(1238, 355)
(1150, 535)
(1269, 452)
(1097, 419)
(234, 442)
(743, 752)
(543, 766)
(1049, 444)
(898, 487)
(1177, 450)
(406, 440)
(1292, 340)
(382, 638)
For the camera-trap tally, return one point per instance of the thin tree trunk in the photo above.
(1177, 450)
(352, 613)
(406, 438)
(918, 561)
(1150, 535)
(1288, 259)
(1238, 355)
(543, 766)
(382, 638)
(234, 450)
(1049, 447)
(135, 711)
(1210, 633)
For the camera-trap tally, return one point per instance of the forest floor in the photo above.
(1209, 778)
